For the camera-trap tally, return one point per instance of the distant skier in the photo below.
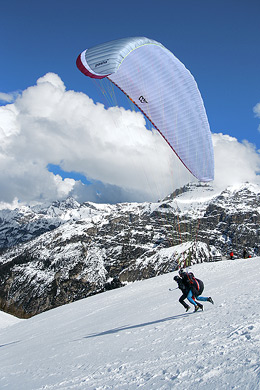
(185, 288)
(196, 288)
(231, 255)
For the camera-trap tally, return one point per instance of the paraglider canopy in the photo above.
(163, 89)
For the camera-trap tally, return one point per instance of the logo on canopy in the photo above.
(142, 99)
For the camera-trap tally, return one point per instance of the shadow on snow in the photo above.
(128, 327)
(12, 342)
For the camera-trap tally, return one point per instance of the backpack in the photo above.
(195, 283)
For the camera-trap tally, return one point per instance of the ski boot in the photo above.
(196, 308)
(200, 306)
(210, 300)
(187, 307)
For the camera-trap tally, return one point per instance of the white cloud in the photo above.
(8, 97)
(256, 110)
(112, 148)
(235, 162)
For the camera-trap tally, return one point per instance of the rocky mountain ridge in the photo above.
(55, 254)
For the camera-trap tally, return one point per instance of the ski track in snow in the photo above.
(139, 337)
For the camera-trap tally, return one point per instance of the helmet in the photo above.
(181, 272)
(176, 278)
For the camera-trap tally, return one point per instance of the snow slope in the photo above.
(139, 337)
(7, 320)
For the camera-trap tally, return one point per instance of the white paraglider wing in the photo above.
(164, 90)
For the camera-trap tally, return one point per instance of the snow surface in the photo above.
(139, 337)
(7, 320)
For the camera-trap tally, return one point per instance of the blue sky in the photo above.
(218, 41)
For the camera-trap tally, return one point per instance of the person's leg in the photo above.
(189, 296)
(209, 299)
(199, 298)
(200, 305)
(181, 300)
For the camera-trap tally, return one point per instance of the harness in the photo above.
(192, 280)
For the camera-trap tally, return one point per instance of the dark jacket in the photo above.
(183, 286)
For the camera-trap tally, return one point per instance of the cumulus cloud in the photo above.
(111, 147)
(235, 162)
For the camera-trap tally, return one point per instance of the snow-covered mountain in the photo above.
(67, 251)
(26, 223)
(140, 337)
